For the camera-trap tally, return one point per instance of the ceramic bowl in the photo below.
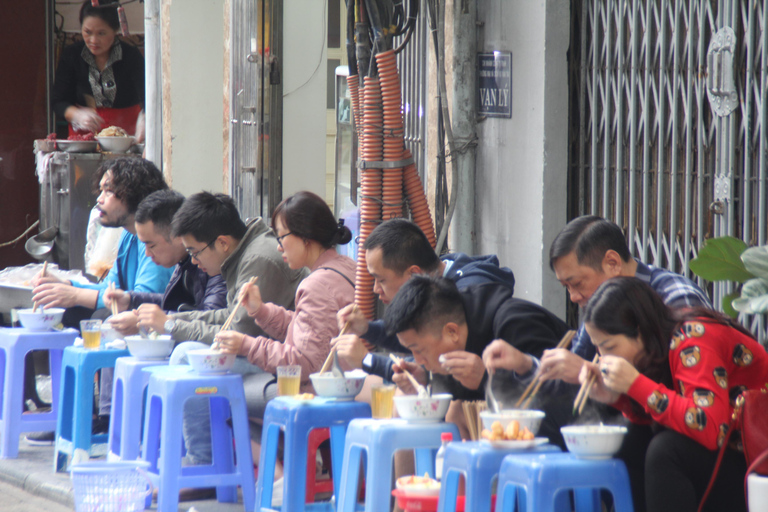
(526, 418)
(41, 320)
(149, 348)
(418, 485)
(415, 408)
(330, 386)
(115, 144)
(593, 441)
(208, 361)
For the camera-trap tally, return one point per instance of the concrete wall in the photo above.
(522, 161)
(304, 87)
(197, 88)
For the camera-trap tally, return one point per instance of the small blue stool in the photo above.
(542, 478)
(379, 440)
(479, 462)
(169, 388)
(298, 418)
(128, 391)
(73, 425)
(14, 345)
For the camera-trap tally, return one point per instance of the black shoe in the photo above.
(40, 438)
(100, 424)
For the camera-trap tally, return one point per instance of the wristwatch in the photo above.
(169, 325)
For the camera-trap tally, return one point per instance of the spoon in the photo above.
(336, 367)
(493, 405)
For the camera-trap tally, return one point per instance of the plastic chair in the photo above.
(14, 345)
(479, 462)
(73, 425)
(128, 392)
(316, 437)
(539, 483)
(169, 388)
(378, 440)
(298, 418)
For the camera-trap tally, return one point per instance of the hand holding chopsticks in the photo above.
(535, 385)
(421, 390)
(329, 359)
(586, 387)
(42, 274)
(231, 316)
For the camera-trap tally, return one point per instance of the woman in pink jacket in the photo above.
(307, 234)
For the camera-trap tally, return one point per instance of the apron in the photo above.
(125, 118)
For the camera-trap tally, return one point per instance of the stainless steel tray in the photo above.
(77, 146)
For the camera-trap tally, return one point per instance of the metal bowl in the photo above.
(77, 146)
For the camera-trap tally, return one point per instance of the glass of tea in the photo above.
(90, 330)
(288, 380)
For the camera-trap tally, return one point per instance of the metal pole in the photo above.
(464, 119)
(154, 82)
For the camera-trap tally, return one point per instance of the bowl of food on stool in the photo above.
(327, 385)
(512, 428)
(40, 319)
(149, 347)
(415, 408)
(208, 361)
(593, 441)
(114, 139)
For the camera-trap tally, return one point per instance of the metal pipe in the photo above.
(153, 104)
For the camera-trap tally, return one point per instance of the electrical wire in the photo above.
(322, 52)
(30, 228)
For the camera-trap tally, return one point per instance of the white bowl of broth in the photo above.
(593, 441)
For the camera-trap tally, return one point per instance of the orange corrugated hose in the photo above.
(392, 181)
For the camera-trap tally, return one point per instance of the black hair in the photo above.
(424, 302)
(106, 11)
(206, 216)
(402, 245)
(159, 208)
(132, 179)
(307, 215)
(590, 237)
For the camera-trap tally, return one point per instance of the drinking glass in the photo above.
(381, 400)
(90, 330)
(288, 380)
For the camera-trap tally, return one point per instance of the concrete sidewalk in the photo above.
(32, 472)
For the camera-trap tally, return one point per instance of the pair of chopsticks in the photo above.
(42, 274)
(535, 385)
(421, 390)
(327, 363)
(581, 398)
(113, 304)
(472, 410)
(231, 316)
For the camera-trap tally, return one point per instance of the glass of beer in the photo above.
(381, 401)
(91, 333)
(288, 380)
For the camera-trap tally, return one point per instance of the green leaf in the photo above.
(756, 261)
(728, 309)
(754, 288)
(719, 260)
(754, 297)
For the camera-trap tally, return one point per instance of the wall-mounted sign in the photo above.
(495, 84)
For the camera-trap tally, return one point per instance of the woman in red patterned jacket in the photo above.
(681, 371)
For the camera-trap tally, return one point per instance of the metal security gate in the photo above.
(646, 148)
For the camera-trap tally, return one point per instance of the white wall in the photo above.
(522, 161)
(197, 91)
(304, 84)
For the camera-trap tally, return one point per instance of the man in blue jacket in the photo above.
(396, 250)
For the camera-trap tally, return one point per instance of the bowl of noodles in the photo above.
(114, 140)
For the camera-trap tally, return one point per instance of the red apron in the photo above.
(125, 118)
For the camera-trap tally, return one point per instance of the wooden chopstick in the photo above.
(113, 303)
(327, 363)
(536, 383)
(413, 380)
(42, 274)
(583, 395)
(231, 316)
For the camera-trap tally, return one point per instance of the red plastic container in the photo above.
(410, 503)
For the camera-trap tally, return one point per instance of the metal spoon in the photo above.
(493, 405)
(336, 367)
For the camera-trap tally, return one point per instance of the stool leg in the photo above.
(12, 404)
(425, 461)
(586, 500)
(350, 478)
(295, 468)
(243, 452)
(338, 434)
(64, 419)
(221, 447)
(54, 364)
(449, 491)
(170, 458)
(83, 413)
(506, 498)
(377, 496)
(270, 437)
(117, 437)
(478, 494)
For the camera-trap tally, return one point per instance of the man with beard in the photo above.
(123, 183)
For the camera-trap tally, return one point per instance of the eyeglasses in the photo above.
(280, 239)
(196, 255)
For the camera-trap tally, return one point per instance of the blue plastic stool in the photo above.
(479, 462)
(379, 440)
(14, 346)
(128, 387)
(540, 480)
(298, 418)
(73, 425)
(169, 388)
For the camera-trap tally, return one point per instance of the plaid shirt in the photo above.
(675, 290)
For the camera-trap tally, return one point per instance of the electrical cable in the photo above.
(322, 52)
(30, 228)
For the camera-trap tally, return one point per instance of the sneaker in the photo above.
(40, 438)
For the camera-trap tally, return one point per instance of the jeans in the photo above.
(196, 427)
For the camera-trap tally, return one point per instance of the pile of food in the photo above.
(87, 137)
(304, 396)
(112, 131)
(415, 482)
(513, 432)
